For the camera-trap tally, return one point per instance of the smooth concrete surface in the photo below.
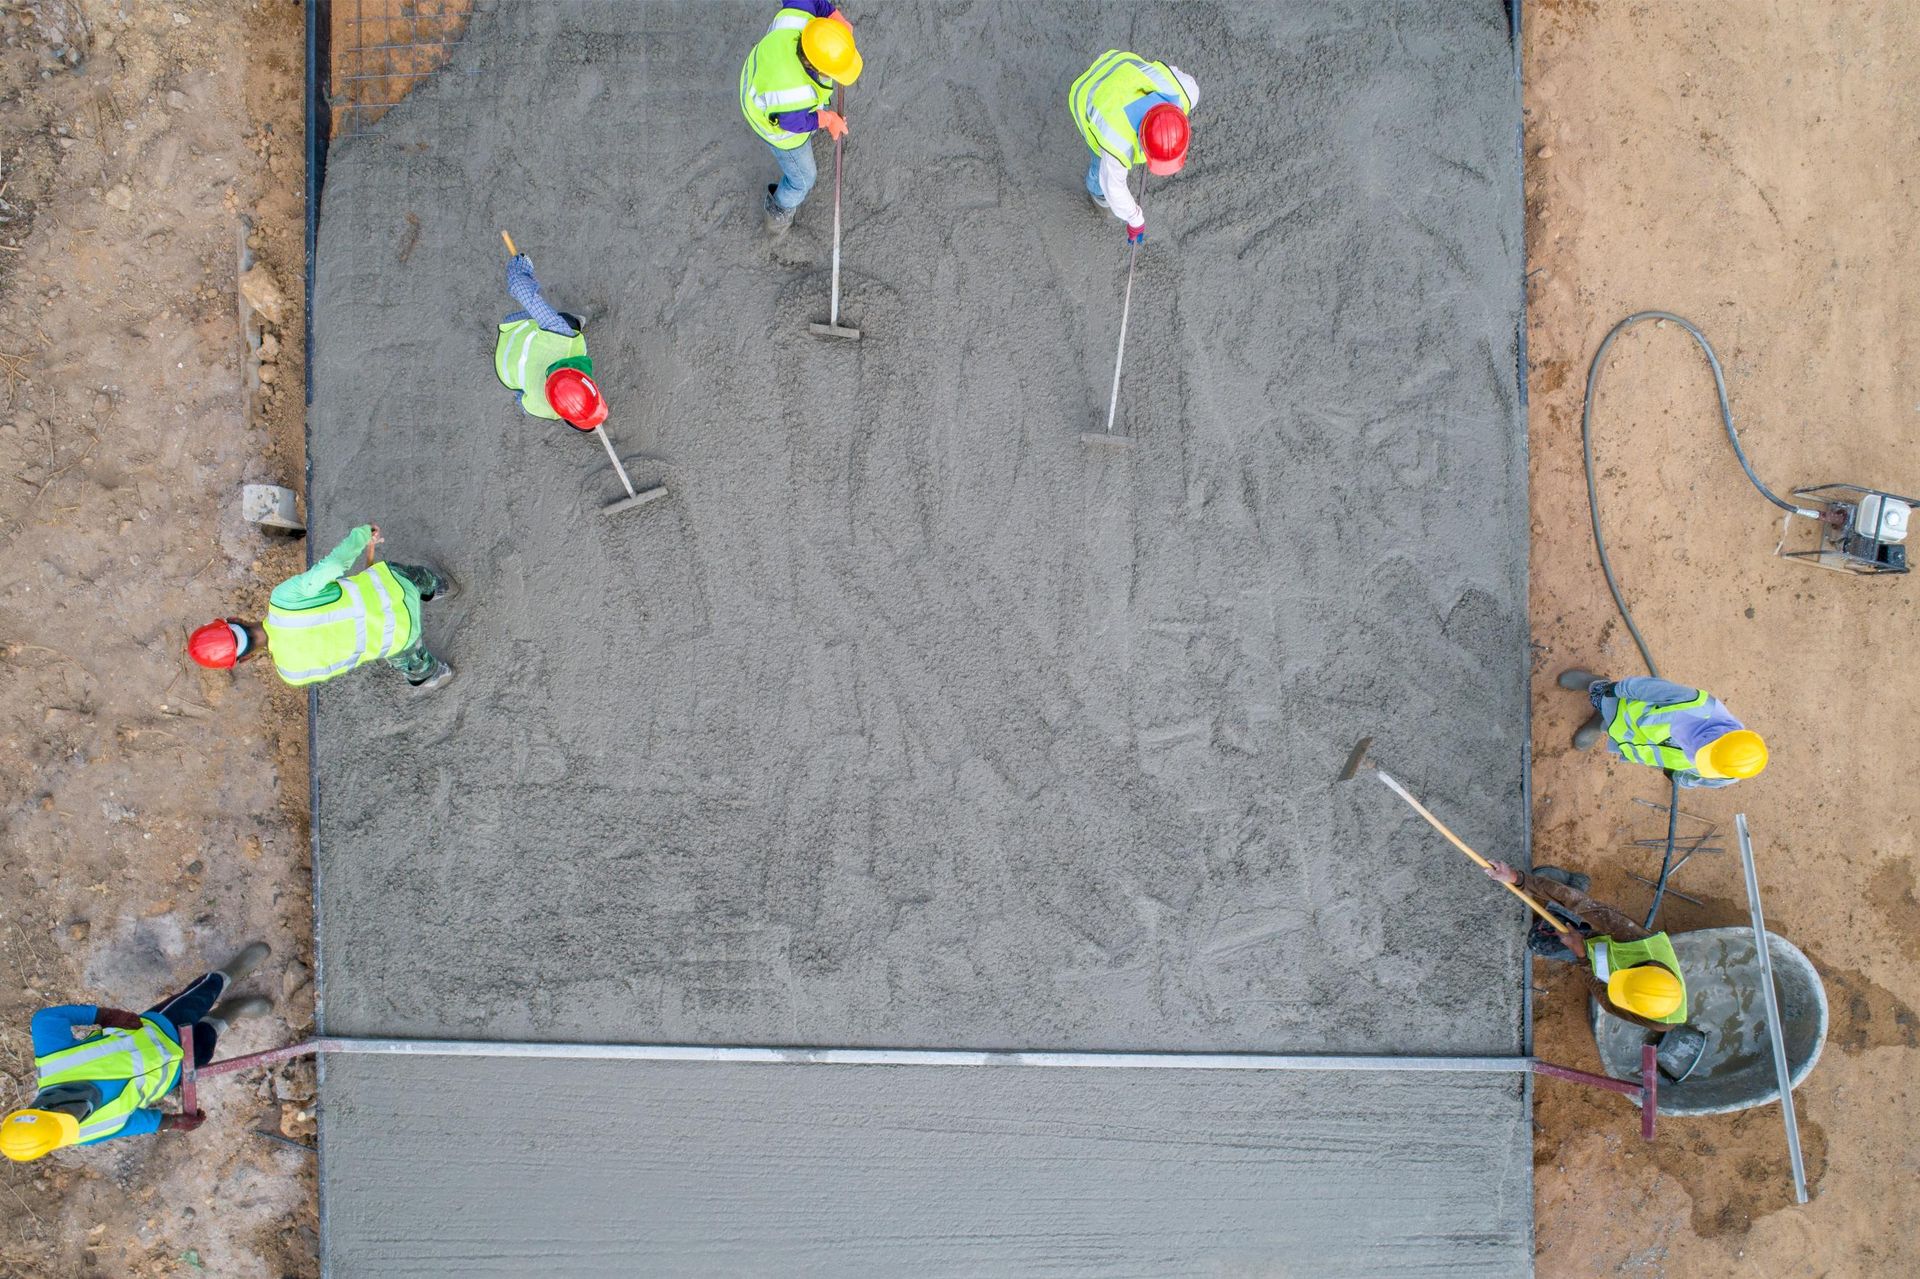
(828, 1170)
(907, 719)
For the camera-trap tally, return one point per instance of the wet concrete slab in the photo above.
(907, 720)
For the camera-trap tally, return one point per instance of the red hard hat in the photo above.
(213, 646)
(575, 398)
(1163, 136)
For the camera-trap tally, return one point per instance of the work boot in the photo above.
(228, 1011)
(445, 585)
(439, 675)
(237, 968)
(1577, 680)
(1099, 203)
(1589, 733)
(778, 219)
(1573, 879)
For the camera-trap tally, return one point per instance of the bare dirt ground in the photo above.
(154, 814)
(1742, 164)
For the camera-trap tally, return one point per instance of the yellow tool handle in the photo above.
(511, 251)
(1559, 926)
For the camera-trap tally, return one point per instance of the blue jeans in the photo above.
(797, 175)
(1093, 179)
(186, 1009)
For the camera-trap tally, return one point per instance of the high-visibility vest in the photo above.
(526, 353)
(147, 1059)
(773, 81)
(1099, 101)
(1609, 957)
(370, 620)
(1642, 730)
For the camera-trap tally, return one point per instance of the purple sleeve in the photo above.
(818, 8)
(798, 121)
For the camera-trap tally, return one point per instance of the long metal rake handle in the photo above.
(1126, 310)
(615, 459)
(1774, 1033)
(833, 304)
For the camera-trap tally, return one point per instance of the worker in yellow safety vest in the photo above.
(785, 85)
(1633, 973)
(110, 1083)
(1132, 111)
(324, 623)
(1685, 732)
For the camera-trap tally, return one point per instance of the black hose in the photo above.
(1600, 542)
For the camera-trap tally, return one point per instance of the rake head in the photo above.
(1355, 760)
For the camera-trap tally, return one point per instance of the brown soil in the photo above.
(154, 814)
(1739, 164)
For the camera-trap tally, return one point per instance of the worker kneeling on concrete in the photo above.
(1684, 732)
(1633, 973)
(1132, 111)
(110, 1084)
(785, 85)
(541, 356)
(324, 623)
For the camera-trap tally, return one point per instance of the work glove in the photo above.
(1137, 234)
(185, 1122)
(834, 123)
(116, 1018)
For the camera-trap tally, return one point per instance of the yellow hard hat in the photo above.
(828, 44)
(1740, 753)
(25, 1135)
(1650, 990)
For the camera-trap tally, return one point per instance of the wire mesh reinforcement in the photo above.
(381, 49)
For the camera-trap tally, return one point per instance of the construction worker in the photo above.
(785, 85)
(110, 1083)
(541, 356)
(1633, 973)
(323, 623)
(1131, 111)
(1684, 732)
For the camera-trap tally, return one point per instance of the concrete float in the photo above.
(1725, 1001)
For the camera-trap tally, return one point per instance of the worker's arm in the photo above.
(52, 1028)
(1599, 916)
(526, 291)
(1113, 185)
(310, 589)
(813, 8)
(1658, 692)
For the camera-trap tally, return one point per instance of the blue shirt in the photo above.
(52, 1030)
(1691, 729)
(526, 291)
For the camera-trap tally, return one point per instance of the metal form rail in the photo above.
(1643, 1094)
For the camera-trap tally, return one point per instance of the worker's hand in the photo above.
(185, 1122)
(1137, 234)
(116, 1018)
(1573, 941)
(1503, 872)
(834, 123)
(373, 543)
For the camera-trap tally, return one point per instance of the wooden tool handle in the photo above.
(511, 251)
(1556, 924)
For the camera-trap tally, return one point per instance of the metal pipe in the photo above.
(867, 1056)
(1774, 1033)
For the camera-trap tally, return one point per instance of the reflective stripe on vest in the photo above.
(311, 644)
(1099, 99)
(523, 356)
(1641, 731)
(145, 1059)
(774, 81)
(1609, 957)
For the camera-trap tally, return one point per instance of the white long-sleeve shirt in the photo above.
(1113, 185)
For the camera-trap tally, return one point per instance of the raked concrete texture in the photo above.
(909, 719)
